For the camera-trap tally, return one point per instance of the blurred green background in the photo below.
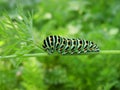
(25, 23)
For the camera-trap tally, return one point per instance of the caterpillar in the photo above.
(63, 45)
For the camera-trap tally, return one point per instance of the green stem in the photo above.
(45, 54)
(25, 55)
(110, 52)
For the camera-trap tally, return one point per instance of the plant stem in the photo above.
(110, 52)
(25, 55)
(45, 54)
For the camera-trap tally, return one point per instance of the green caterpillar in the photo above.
(68, 46)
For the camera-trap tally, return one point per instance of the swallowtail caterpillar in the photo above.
(63, 45)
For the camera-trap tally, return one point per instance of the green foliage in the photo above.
(22, 31)
(32, 71)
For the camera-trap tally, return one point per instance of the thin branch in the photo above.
(25, 55)
(110, 52)
(45, 54)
